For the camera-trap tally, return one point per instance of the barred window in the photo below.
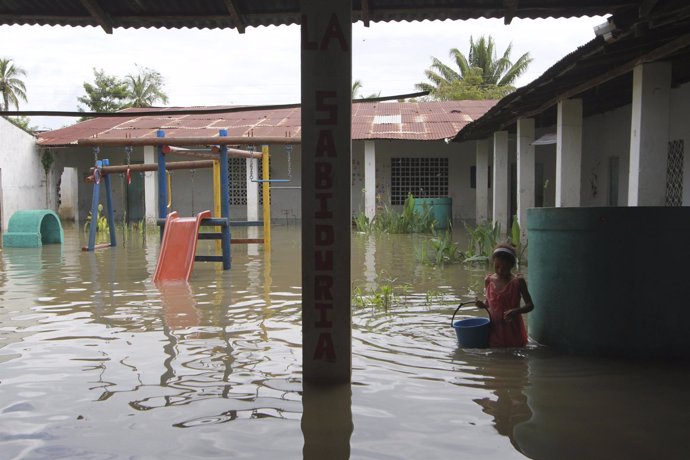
(237, 176)
(423, 177)
(674, 174)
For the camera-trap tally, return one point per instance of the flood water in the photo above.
(97, 363)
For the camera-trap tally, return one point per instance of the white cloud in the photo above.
(262, 66)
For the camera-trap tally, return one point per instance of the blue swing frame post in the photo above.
(225, 202)
(95, 199)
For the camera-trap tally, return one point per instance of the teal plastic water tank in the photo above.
(441, 208)
(610, 280)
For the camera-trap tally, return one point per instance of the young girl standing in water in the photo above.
(503, 292)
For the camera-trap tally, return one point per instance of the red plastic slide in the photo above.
(178, 247)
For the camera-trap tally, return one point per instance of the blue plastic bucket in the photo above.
(473, 332)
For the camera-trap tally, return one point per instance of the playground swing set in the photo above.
(179, 235)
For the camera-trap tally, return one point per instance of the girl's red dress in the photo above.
(505, 333)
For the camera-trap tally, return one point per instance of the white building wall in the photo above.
(461, 158)
(22, 177)
(605, 136)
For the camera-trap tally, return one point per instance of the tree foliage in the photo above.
(109, 93)
(145, 88)
(480, 75)
(12, 87)
(357, 85)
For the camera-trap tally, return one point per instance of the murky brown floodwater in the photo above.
(96, 363)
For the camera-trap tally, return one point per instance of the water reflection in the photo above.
(505, 373)
(212, 368)
(326, 421)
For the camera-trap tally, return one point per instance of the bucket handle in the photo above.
(462, 304)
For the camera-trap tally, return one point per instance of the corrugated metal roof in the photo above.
(599, 72)
(415, 120)
(239, 14)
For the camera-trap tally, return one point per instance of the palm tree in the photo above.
(11, 86)
(356, 86)
(145, 88)
(481, 73)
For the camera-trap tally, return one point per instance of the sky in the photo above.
(262, 66)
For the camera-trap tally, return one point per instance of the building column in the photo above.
(369, 179)
(525, 172)
(326, 66)
(649, 134)
(150, 187)
(568, 153)
(501, 197)
(481, 177)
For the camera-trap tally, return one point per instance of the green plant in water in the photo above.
(408, 220)
(516, 240)
(362, 223)
(383, 296)
(439, 250)
(101, 221)
(482, 240)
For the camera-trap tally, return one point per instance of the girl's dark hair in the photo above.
(506, 252)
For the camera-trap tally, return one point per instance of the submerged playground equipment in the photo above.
(32, 229)
(605, 281)
(179, 235)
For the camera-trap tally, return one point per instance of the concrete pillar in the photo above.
(525, 172)
(150, 187)
(252, 189)
(568, 153)
(326, 46)
(649, 134)
(370, 179)
(482, 182)
(501, 195)
(252, 203)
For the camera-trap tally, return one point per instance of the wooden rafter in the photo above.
(646, 7)
(365, 12)
(511, 7)
(656, 54)
(99, 14)
(235, 15)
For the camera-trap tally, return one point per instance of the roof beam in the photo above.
(99, 14)
(235, 15)
(658, 53)
(511, 7)
(646, 7)
(364, 9)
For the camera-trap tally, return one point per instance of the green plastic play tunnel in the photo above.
(33, 228)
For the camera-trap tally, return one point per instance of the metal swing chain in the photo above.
(288, 149)
(128, 174)
(251, 162)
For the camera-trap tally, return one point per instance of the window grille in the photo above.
(237, 177)
(674, 174)
(423, 177)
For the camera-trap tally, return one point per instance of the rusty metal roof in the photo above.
(599, 72)
(240, 14)
(370, 120)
